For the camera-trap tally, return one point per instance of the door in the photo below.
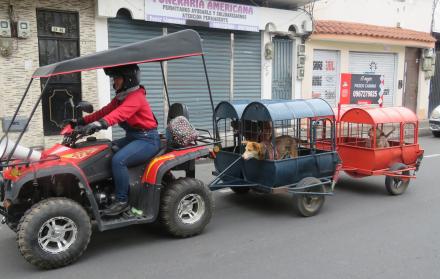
(58, 39)
(186, 77)
(247, 66)
(384, 64)
(325, 79)
(412, 59)
(434, 94)
(282, 68)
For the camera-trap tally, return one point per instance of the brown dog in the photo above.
(381, 138)
(286, 147)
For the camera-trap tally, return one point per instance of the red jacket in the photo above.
(134, 110)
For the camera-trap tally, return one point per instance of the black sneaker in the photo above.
(116, 208)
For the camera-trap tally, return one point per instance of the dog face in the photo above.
(253, 150)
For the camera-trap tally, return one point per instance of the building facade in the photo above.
(54, 31)
(393, 44)
(251, 51)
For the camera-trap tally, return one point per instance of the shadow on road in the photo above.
(362, 186)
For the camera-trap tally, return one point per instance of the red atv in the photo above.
(51, 199)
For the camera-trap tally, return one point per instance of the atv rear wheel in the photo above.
(186, 207)
(54, 233)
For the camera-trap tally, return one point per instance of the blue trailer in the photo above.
(308, 177)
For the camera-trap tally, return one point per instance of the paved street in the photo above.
(361, 232)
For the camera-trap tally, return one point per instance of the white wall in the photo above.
(411, 14)
(436, 27)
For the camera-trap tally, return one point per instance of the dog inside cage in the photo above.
(371, 136)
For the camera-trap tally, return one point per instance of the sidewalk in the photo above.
(424, 128)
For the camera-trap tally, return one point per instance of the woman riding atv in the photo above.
(131, 110)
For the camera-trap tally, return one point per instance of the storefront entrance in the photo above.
(282, 68)
(58, 39)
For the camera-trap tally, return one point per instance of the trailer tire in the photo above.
(436, 134)
(396, 186)
(37, 225)
(186, 207)
(308, 205)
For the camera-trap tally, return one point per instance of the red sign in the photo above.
(361, 89)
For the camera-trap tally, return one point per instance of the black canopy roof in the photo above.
(176, 45)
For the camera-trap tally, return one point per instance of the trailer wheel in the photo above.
(436, 134)
(186, 207)
(309, 205)
(53, 233)
(240, 190)
(397, 186)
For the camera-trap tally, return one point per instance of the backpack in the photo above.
(181, 132)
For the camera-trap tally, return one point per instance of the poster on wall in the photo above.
(325, 75)
(361, 89)
(212, 14)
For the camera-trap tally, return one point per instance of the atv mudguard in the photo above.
(12, 192)
(157, 168)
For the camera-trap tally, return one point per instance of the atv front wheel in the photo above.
(186, 207)
(54, 233)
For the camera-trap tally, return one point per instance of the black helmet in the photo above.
(130, 74)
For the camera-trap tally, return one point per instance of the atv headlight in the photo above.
(436, 113)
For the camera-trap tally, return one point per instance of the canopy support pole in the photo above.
(209, 89)
(165, 84)
(28, 121)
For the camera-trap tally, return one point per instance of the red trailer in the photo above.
(380, 141)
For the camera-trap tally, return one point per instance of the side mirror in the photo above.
(85, 106)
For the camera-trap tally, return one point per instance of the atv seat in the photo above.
(177, 109)
(163, 147)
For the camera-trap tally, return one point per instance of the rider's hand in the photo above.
(94, 127)
(75, 122)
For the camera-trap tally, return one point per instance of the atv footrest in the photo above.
(125, 219)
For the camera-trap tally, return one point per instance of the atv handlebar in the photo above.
(72, 135)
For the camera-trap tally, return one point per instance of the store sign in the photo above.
(213, 14)
(361, 89)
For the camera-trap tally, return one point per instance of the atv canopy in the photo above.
(174, 46)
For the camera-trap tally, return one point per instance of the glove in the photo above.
(94, 127)
(75, 122)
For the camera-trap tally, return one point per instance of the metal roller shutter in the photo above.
(247, 65)
(125, 31)
(325, 80)
(377, 63)
(186, 78)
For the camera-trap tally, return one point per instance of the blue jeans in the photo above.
(135, 148)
